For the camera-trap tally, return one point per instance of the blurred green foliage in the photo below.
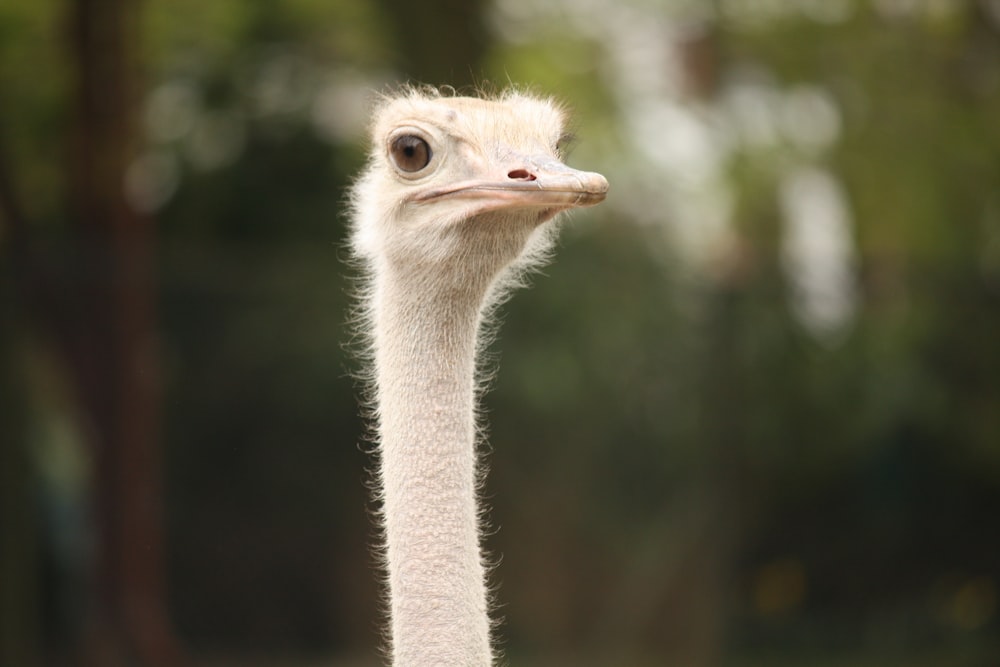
(683, 465)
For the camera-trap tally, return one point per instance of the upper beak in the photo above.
(538, 181)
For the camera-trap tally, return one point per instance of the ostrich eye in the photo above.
(410, 153)
(565, 143)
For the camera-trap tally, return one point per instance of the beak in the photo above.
(538, 181)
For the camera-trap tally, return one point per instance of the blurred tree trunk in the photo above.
(109, 338)
(441, 42)
(19, 599)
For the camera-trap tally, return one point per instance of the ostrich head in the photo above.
(458, 188)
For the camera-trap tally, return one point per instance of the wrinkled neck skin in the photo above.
(427, 313)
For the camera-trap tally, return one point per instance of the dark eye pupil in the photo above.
(410, 153)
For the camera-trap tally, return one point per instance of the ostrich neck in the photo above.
(425, 364)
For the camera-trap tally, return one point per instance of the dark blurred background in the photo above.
(749, 416)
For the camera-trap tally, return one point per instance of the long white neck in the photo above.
(425, 374)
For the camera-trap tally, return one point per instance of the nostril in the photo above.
(521, 175)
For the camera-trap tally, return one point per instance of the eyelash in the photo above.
(565, 142)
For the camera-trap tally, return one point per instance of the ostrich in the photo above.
(456, 202)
